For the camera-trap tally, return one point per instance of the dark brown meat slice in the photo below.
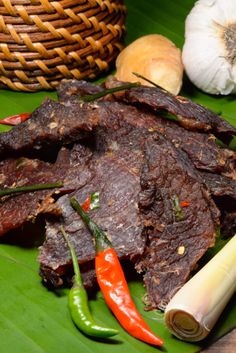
(220, 185)
(177, 236)
(223, 190)
(228, 223)
(51, 124)
(201, 148)
(117, 159)
(118, 141)
(70, 90)
(15, 210)
(190, 115)
(118, 215)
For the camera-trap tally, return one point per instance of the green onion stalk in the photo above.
(29, 188)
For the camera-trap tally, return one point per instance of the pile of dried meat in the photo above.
(165, 185)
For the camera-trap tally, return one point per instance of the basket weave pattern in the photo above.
(44, 41)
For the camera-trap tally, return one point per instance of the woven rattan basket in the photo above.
(44, 41)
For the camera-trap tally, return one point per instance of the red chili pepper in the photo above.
(184, 204)
(92, 202)
(86, 204)
(113, 285)
(15, 119)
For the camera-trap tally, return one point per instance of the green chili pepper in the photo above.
(78, 303)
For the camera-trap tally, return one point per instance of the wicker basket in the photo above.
(44, 41)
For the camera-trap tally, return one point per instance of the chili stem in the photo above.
(92, 97)
(77, 276)
(29, 188)
(101, 240)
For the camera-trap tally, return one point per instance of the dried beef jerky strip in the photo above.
(18, 209)
(220, 185)
(190, 115)
(51, 123)
(70, 90)
(118, 214)
(179, 225)
(228, 224)
(201, 148)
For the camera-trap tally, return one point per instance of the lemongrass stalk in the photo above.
(195, 308)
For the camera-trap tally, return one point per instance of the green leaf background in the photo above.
(36, 320)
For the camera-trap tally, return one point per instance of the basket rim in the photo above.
(37, 9)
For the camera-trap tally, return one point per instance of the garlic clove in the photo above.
(209, 53)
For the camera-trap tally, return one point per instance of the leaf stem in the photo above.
(29, 188)
(146, 79)
(92, 97)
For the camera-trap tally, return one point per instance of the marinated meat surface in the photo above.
(70, 90)
(116, 164)
(228, 224)
(177, 236)
(119, 141)
(201, 148)
(220, 185)
(118, 215)
(154, 176)
(17, 209)
(190, 115)
(51, 124)
(54, 123)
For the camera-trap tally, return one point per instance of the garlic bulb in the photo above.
(209, 52)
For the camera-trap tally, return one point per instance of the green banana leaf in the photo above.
(36, 320)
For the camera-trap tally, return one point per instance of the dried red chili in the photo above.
(92, 202)
(113, 285)
(184, 204)
(86, 204)
(15, 119)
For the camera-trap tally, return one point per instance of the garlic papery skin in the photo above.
(209, 51)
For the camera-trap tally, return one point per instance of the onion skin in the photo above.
(196, 307)
(156, 58)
